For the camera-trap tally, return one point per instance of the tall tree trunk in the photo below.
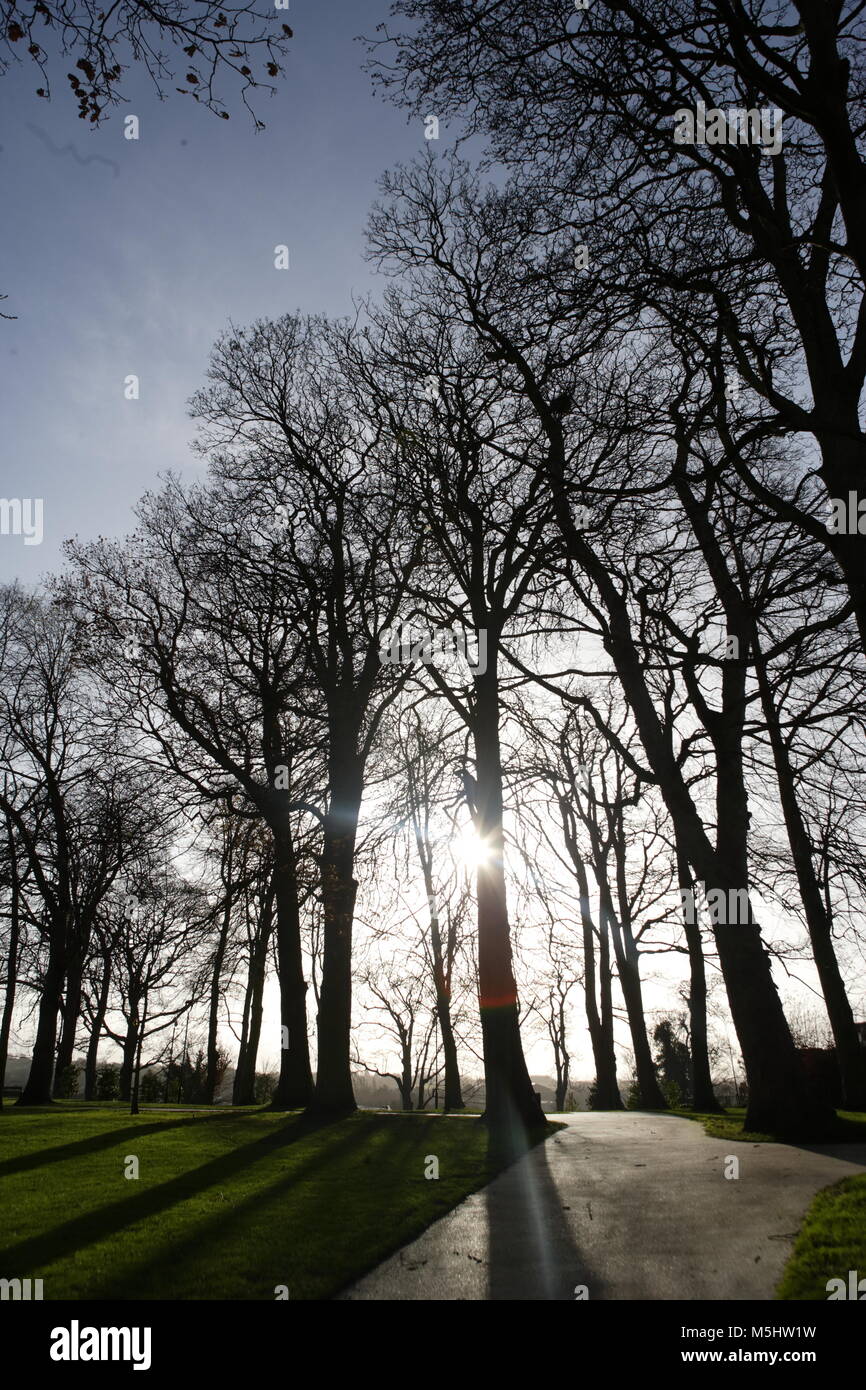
(240, 1083)
(842, 472)
(704, 1097)
(96, 1030)
(850, 1056)
(780, 1098)
(210, 1080)
(69, 1015)
(11, 964)
(610, 1087)
(244, 1089)
(130, 1046)
(295, 1086)
(628, 968)
(561, 1058)
(333, 1093)
(652, 1097)
(136, 1066)
(607, 1096)
(787, 1102)
(512, 1105)
(453, 1094)
(442, 984)
(37, 1090)
(406, 1076)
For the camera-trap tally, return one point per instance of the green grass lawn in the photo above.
(729, 1125)
(228, 1204)
(831, 1242)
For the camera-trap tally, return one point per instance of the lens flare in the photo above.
(472, 850)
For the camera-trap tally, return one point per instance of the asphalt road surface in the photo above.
(632, 1206)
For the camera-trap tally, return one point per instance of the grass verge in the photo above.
(832, 1242)
(729, 1125)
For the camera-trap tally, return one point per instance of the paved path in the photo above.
(631, 1205)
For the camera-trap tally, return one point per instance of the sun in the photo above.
(472, 850)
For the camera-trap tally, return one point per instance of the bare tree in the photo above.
(74, 805)
(752, 236)
(467, 477)
(474, 251)
(401, 1005)
(165, 922)
(425, 767)
(288, 416)
(210, 42)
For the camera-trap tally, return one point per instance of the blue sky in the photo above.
(133, 261)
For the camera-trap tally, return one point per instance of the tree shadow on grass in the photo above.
(75, 1235)
(313, 1249)
(78, 1148)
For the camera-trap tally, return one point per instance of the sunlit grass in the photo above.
(227, 1204)
(832, 1242)
(725, 1125)
(729, 1125)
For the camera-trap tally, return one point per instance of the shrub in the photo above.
(67, 1082)
(151, 1086)
(633, 1100)
(266, 1084)
(107, 1082)
(672, 1093)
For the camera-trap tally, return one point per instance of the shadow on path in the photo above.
(531, 1252)
(850, 1151)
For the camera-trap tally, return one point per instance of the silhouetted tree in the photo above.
(209, 42)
